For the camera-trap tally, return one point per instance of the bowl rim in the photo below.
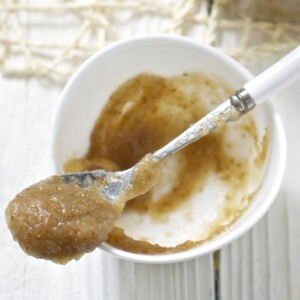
(229, 236)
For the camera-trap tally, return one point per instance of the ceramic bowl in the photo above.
(88, 90)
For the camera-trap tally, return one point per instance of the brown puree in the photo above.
(146, 174)
(144, 114)
(59, 221)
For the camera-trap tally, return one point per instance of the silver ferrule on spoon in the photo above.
(242, 101)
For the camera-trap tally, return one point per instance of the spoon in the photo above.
(280, 75)
(63, 217)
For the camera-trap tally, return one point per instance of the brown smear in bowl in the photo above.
(144, 114)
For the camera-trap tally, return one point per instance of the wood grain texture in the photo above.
(102, 276)
(265, 264)
(25, 122)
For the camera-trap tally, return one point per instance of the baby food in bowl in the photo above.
(117, 109)
(223, 168)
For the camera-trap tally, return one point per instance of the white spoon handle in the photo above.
(276, 78)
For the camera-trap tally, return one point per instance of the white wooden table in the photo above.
(263, 264)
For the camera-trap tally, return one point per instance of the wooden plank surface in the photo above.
(264, 264)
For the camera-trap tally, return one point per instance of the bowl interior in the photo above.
(88, 90)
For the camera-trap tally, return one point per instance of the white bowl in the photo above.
(90, 87)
